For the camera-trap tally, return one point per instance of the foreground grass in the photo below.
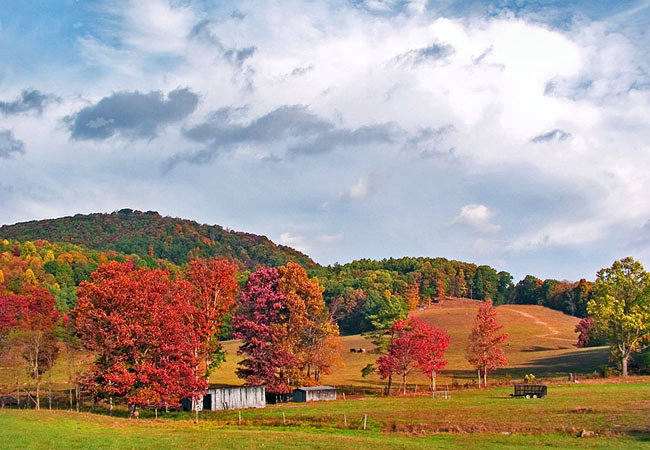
(617, 413)
(34, 430)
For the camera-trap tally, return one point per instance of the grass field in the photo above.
(542, 341)
(616, 412)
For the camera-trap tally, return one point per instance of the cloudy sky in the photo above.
(512, 133)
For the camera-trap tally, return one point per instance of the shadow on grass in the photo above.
(585, 361)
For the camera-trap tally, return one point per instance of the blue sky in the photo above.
(510, 133)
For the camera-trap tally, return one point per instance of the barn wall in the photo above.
(319, 395)
(299, 396)
(238, 398)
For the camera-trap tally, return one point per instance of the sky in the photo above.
(509, 133)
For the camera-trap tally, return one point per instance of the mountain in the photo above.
(148, 234)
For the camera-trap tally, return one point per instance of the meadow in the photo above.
(541, 341)
(615, 410)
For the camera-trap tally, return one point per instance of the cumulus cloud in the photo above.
(132, 114)
(28, 100)
(9, 145)
(477, 217)
(539, 108)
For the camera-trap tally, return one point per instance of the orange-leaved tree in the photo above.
(484, 350)
(216, 289)
(285, 328)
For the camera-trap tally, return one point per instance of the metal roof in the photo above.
(314, 388)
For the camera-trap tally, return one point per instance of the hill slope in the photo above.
(541, 341)
(150, 234)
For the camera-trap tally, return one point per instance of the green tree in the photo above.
(620, 307)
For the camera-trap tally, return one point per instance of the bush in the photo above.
(529, 379)
(607, 371)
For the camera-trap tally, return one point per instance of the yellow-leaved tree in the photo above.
(620, 307)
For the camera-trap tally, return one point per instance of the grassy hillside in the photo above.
(542, 341)
(150, 234)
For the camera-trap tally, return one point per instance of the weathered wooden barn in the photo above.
(314, 394)
(219, 399)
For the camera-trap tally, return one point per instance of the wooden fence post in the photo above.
(284, 419)
(365, 417)
(345, 420)
(239, 417)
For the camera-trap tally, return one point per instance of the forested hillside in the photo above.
(360, 294)
(148, 234)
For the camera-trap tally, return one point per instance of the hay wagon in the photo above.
(530, 390)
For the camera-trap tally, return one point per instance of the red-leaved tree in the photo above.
(431, 344)
(484, 350)
(142, 325)
(402, 353)
(28, 321)
(414, 345)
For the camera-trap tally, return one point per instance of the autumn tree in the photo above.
(283, 323)
(142, 326)
(401, 358)
(412, 296)
(440, 291)
(483, 350)
(28, 321)
(431, 344)
(414, 345)
(216, 286)
(620, 307)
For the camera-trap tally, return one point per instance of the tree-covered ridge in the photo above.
(361, 295)
(148, 234)
(59, 268)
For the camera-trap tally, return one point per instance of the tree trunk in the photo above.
(404, 384)
(38, 394)
(390, 381)
(132, 410)
(484, 378)
(624, 361)
(49, 388)
(479, 377)
(77, 395)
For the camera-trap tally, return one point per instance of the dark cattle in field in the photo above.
(353, 350)
(361, 350)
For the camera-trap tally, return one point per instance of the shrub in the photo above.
(529, 379)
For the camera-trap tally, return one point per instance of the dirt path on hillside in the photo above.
(552, 331)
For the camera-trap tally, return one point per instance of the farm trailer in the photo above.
(530, 390)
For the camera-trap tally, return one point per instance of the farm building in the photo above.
(314, 394)
(219, 399)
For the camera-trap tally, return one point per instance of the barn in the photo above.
(219, 399)
(314, 394)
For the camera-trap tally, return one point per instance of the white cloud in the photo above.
(502, 82)
(358, 191)
(478, 217)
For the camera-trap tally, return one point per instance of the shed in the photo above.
(314, 393)
(219, 399)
